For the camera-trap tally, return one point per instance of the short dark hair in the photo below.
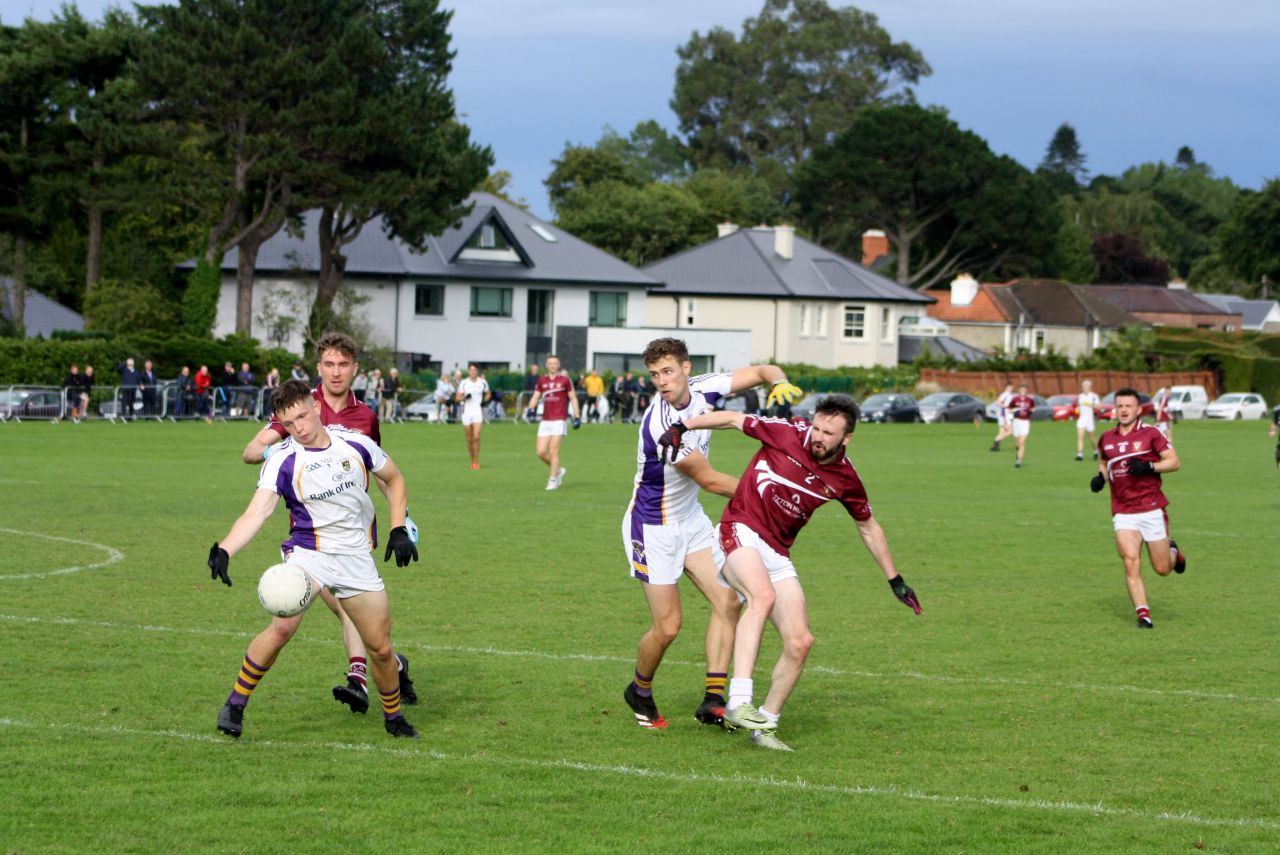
(289, 393)
(1127, 392)
(341, 342)
(661, 347)
(840, 405)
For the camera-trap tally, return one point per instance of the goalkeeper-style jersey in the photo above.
(327, 492)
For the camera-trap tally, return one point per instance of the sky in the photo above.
(1137, 79)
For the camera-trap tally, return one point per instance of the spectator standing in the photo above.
(203, 384)
(273, 379)
(147, 382)
(594, 386)
(390, 395)
(71, 391)
(184, 397)
(247, 383)
(531, 379)
(130, 379)
(360, 385)
(227, 383)
(299, 373)
(86, 389)
(444, 398)
(373, 395)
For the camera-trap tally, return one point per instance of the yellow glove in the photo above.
(784, 392)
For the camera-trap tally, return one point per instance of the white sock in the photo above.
(772, 718)
(740, 689)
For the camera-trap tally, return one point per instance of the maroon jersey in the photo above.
(1133, 494)
(1021, 406)
(354, 415)
(784, 485)
(555, 397)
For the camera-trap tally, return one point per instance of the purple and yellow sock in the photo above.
(717, 684)
(357, 669)
(251, 673)
(644, 685)
(390, 703)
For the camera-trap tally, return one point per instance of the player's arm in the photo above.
(756, 375)
(697, 467)
(242, 531)
(716, 420)
(1168, 461)
(256, 451)
(391, 480)
(873, 537)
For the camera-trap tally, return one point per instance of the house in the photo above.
(801, 303)
(41, 315)
(1255, 315)
(1171, 307)
(502, 289)
(1027, 314)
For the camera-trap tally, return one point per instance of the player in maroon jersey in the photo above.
(1021, 406)
(1133, 456)
(555, 391)
(337, 367)
(799, 468)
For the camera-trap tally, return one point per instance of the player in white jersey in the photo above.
(1003, 417)
(665, 532)
(323, 474)
(473, 394)
(1086, 403)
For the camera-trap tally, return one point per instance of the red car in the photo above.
(1064, 407)
(1107, 409)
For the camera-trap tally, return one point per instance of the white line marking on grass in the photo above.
(588, 657)
(764, 782)
(113, 555)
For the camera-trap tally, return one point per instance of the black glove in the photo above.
(670, 441)
(529, 414)
(218, 560)
(400, 543)
(1097, 483)
(1141, 467)
(577, 423)
(905, 595)
(466, 397)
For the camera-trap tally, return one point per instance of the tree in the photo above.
(580, 167)
(128, 307)
(1249, 240)
(497, 184)
(1064, 160)
(650, 153)
(791, 82)
(947, 204)
(1121, 260)
(640, 225)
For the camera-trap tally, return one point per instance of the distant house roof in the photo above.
(1033, 301)
(42, 315)
(746, 264)
(545, 252)
(911, 346)
(1155, 298)
(1255, 313)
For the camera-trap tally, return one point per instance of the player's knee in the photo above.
(799, 644)
(281, 630)
(666, 630)
(379, 649)
(762, 600)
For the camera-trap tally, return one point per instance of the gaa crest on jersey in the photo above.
(1137, 446)
(637, 551)
(346, 466)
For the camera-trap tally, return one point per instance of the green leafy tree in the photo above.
(580, 167)
(649, 151)
(1064, 161)
(1249, 240)
(199, 308)
(497, 183)
(800, 69)
(733, 198)
(128, 307)
(640, 225)
(946, 203)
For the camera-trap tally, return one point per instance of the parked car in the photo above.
(425, 408)
(950, 407)
(891, 407)
(1107, 409)
(1042, 413)
(803, 409)
(1064, 407)
(734, 403)
(1237, 405)
(1187, 402)
(30, 403)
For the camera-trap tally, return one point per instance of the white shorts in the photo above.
(735, 536)
(472, 418)
(1154, 525)
(557, 427)
(657, 552)
(1003, 418)
(1021, 427)
(1085, 422)
(344, 575)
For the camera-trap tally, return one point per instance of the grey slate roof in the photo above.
(911, 346)
(42, 316)
(744, 264)
(1253, 312)
(568, 260)
(1155, 298)
(1058, 303)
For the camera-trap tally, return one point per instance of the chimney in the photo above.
(874, 245)
(784, 241)
(725, 229)
(1176, 284)
(963, 289)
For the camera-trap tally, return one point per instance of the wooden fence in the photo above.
(990, 383)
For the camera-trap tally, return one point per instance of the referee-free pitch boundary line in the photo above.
(591, 657)
(699, 779)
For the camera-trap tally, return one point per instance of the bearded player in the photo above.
(665, 532)
(1134, 456)
(336, 366)
(555, 391)
(799, 468)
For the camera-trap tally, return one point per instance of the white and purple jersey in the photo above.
(663, 493)
(327, 492)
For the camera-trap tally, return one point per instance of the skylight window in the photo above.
(542, 232)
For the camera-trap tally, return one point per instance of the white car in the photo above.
(1237, 405)
(1188, 402)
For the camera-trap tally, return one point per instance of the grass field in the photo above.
(1021, 713)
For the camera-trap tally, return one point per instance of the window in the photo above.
(804, 319)
(1039, 341)
(822, 321)
(855, 321)
(886, 323)
(489, 243)
(543, 233)
(608, 309)
(690, 312)
(490, 302)
(428, 300)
